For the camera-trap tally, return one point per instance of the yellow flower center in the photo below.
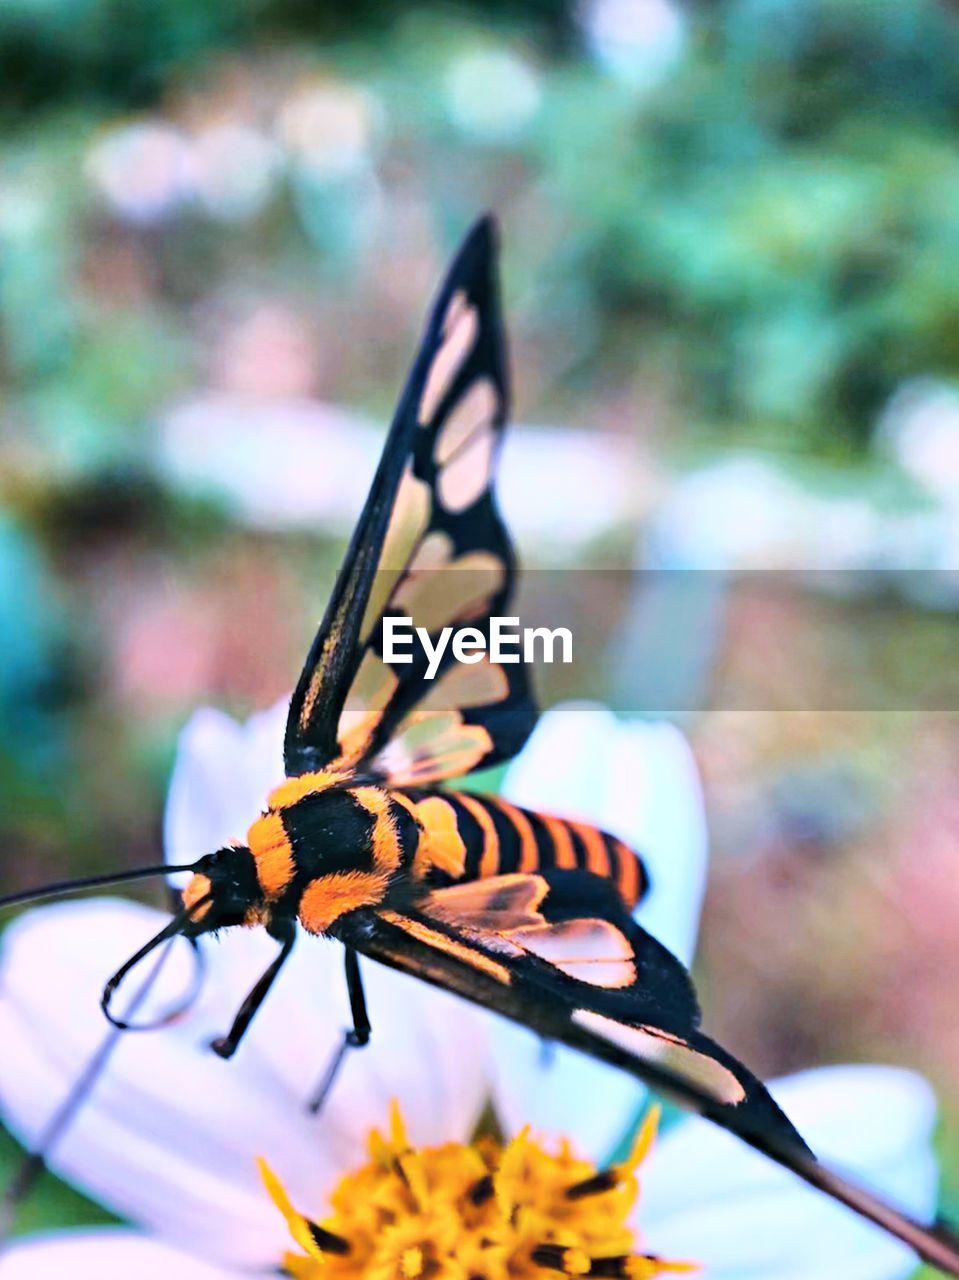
(482, 1211)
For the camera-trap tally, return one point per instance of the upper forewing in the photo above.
(430, 546)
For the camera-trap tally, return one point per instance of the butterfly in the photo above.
(526, 914)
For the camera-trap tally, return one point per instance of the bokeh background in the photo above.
(731, 266)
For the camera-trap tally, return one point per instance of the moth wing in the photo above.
(431, 546)
(754, 1117)
(566, 940)
(686, 1065)
(580, 932)
(497, 904)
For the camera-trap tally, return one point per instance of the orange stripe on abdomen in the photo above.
(440, 843)
(564, 852)
(528, 850)
(627, 875)
(597, 856)
(489, 859)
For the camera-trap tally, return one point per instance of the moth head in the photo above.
(222, 891)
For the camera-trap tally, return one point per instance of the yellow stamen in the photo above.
(576, 1262)
(486, 1211)
(643, 1268)
(398, 1135)
(644, 1140)
(411, 1263)
(299, 1228)
(412, 1170)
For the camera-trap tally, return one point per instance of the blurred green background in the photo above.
(731, 271)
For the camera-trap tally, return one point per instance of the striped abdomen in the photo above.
(470, 837)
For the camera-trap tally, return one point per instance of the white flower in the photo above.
(169, 1136)
(742, 1216)
(143, 168)
(492, 94)
(221, 777)
(330, 127)
(235, 168)
(636, 41)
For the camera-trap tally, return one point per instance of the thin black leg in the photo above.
(361, 1032)
(357, 1036)
(226, 1046)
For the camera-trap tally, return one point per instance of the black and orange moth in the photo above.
(524, 913)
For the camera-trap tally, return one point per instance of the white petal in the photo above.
(707, 1197)
(166, 1136)
(221, 776)
(638, 781)
(108, 1253)
(170, 1134)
